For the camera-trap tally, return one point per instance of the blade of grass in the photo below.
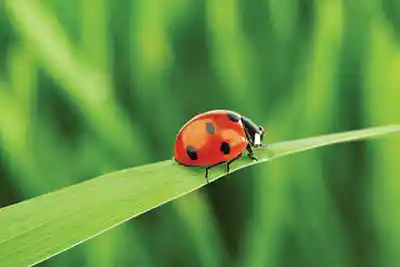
(37, 229)
(197, 219)
(88, 88)
(95, 33)
(382, 106)
(14, 140)
(230, 50)
(152, 57)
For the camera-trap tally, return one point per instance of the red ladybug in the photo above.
(216, 137)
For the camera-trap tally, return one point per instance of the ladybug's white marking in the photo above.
(257, 139)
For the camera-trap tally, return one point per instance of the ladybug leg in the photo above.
(251, 152)
(228, 168)
(209, 167)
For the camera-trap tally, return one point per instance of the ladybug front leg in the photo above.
(251, 152)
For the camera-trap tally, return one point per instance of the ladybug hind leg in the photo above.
(228, 163)
(209, 167)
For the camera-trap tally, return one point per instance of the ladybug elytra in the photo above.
(216, 137)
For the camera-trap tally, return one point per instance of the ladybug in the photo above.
(216, 137)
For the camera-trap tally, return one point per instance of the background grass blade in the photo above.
(39, 228)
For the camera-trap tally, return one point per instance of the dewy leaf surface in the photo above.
(36, 229)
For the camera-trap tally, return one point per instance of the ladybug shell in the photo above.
(210, 138)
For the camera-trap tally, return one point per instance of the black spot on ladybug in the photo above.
(191, 152)
(210, 128)
(233, 117)
(225, 148)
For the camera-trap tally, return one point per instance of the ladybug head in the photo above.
(254, 133)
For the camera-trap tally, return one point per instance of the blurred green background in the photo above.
(88, 87)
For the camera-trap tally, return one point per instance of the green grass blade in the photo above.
(37, 229)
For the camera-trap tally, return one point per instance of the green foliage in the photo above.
(89, 87)
(57, 221)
